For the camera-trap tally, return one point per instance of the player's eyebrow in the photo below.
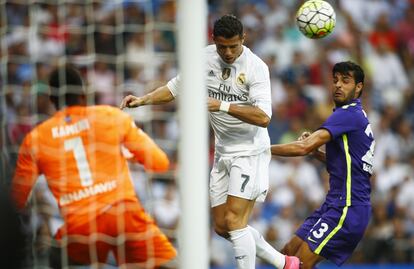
(348, 75)
(227, 46)
(344, 76)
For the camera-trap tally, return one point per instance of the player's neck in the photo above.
(353, 100)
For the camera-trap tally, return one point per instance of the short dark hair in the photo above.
(345, 68)
(65, 81)
(228, 26)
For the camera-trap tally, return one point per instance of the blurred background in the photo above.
(128, 46)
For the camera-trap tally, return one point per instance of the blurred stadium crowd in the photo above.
(128, 47)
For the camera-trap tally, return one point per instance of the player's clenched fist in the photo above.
(213, 104)
(130, 101)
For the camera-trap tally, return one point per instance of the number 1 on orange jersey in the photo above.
(75, 144)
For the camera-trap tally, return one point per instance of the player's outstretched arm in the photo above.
(317, 153)
(159, 96)
(142, 147)
(246, 113)
(25, 175)
(302, 147)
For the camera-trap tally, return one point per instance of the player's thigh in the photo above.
(219, 214)
(219, 181)
(148, 252)
(292, 246)
(144, 243)
(249, 176)
(56, 260)
(82, 245)
(238, 212)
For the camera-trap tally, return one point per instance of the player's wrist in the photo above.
(142, 101)
(224, 106)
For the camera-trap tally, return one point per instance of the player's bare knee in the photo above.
(291, 248)
(287, 250)
(234, 221)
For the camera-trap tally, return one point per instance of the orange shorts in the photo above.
(126, 230)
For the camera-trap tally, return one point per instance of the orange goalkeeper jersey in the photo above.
(79, 152)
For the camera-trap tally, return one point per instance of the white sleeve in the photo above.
(173, 85)
(260, 90)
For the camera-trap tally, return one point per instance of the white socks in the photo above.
(247, 243)
(266, 251)
(244, 248)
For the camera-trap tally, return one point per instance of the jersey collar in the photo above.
(353, 102)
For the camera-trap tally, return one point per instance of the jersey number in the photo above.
(320, 232)
(76, 145)
(246, 179)
(368, 158)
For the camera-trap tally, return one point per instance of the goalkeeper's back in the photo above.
(79, 152)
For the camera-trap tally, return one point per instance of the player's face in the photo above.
(345, 89)
(229, 49)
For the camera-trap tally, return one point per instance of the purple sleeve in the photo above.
(340, 122)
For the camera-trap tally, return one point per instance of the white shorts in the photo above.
(245, 177)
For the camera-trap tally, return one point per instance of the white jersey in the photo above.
(245, 82)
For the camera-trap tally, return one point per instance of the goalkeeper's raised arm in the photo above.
(160, 95)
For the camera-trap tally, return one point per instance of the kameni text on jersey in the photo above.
(228, 97)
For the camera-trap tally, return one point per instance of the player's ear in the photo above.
(358, 88)
(243, 37)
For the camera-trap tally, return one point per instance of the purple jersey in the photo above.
(349, 155)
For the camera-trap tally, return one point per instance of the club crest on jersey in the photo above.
(225, 73)
(241, 79)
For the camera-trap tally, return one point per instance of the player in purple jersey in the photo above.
(333, 231)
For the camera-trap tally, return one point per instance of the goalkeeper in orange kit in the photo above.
(79, 152)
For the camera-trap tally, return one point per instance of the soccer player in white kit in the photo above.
(239, 103)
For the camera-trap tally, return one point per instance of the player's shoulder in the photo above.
(251, 56)
(253, 59)
(211, 55)
(46, 125)
(110, 114)
(353, 111)
(39, 131)
(106, 110)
